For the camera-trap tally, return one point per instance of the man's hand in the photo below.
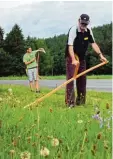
(41, 50)
(75, 62)
(102, 58)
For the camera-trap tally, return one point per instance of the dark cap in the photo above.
(84, 18)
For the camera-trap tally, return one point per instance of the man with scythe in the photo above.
(78, 39)
(31, 59)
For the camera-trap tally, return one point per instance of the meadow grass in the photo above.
(55, 77)
(66, 133)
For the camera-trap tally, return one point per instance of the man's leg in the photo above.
(70, 93)
(31, 85)
(29, 73)
(36, 80)
(81, 85)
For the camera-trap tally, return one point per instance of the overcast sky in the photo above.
(46, 19)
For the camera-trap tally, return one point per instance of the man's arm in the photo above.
(71, 53)
(72, 35)
(39, 50)
(97, 50)
(96, 47)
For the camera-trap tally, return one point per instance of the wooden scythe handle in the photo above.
(64, 84)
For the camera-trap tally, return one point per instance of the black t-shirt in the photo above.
(79, 41)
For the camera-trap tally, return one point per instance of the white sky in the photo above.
(49, 18)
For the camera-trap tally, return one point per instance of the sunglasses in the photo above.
(84, 24)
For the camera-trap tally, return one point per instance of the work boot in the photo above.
(71, 106)
(37, 91)
(80, 100)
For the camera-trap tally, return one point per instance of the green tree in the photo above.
(15, 46)
(14, 42)
(1, 36)
(53, 62)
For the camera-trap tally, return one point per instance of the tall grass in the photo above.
(66, 133)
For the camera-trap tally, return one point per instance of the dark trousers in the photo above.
(80, 83)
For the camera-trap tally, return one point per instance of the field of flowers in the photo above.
(51, 130)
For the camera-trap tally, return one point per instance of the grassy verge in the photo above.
(55, 77)
(66, 133)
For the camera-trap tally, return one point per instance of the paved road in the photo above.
(92, 84)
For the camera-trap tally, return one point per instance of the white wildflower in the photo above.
(10, 91)
(25, 155)
(44, 152)
(55, 142)
(80, 121)
(106, 142)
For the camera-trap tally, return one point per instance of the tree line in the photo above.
(13, 47)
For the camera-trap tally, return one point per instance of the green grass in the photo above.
(30, 129)
(55, 77)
